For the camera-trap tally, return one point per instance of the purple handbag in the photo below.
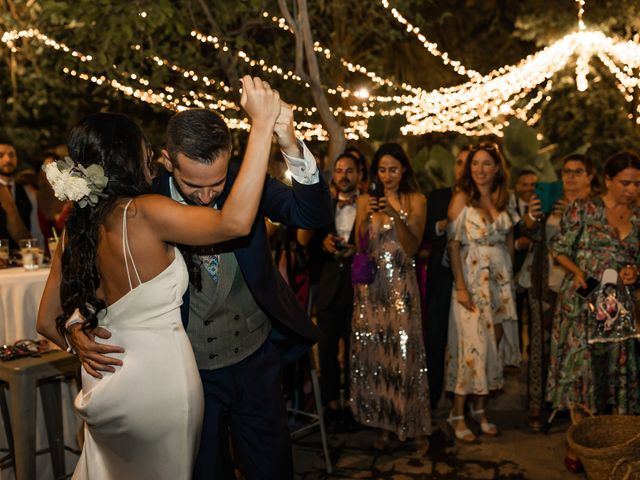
(363, 268)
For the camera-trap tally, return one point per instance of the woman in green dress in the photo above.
(595, 235)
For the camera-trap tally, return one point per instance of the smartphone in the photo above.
(376, 189)
(592, 284)
(548, 193)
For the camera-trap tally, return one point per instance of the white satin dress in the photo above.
(144, 420)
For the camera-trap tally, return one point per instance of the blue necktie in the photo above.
(210, 263)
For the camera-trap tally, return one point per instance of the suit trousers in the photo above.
(334, 324)
(439, 284)
(245, 400)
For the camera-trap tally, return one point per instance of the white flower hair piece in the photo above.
(75, 182)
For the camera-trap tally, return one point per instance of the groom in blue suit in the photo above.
(243, 320)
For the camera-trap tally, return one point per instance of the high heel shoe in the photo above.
(480, 417)
(464, 435)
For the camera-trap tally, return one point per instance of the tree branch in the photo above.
(293, 25)
(337, 142)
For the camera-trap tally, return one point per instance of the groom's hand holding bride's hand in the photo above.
(93, 355)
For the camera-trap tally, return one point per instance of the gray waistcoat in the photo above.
(225, 323)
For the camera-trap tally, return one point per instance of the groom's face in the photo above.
(200, 184)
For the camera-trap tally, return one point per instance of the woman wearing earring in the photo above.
(389, 388)
(595, 235)
(483, 329)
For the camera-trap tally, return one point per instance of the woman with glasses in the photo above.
(483, 328)
(597, 234)
(389, 388)
(578, 182)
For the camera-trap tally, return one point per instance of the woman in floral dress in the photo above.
(483, 328)
(595, 235)
(389, 388)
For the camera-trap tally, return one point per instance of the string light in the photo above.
(477, 107)
(431, 47)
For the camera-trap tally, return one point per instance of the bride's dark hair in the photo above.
(116, 143)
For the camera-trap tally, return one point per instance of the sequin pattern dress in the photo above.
(389, 388)
(474, 362)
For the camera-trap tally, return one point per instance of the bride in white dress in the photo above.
(116, 267)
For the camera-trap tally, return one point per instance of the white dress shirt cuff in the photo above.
(303, 170)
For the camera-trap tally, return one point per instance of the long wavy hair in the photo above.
(500, 185)
(117, 144)
(408, 182)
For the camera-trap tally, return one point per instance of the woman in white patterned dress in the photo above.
(483, 329)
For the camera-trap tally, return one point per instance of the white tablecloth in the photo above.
(20, 294)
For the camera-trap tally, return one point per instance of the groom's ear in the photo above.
(166, 161)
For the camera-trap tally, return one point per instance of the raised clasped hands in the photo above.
(260, 101)
(285, 131)
(93, 355)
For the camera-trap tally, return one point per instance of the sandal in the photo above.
(480, 417)
(464, 435)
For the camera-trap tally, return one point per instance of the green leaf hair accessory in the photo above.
(83, 185)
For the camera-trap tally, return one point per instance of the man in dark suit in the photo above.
(439, 283)
(238, 309)
(8, 164)
(524, 189)
(331, 251)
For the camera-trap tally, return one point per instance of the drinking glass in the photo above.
(4, 252)
(52, 243)
(32, 255)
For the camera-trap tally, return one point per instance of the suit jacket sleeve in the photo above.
(300, 206)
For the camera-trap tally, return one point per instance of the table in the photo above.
(20, 294)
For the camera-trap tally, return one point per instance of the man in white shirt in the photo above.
(14, 200)
(331, 251)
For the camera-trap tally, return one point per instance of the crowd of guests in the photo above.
(502, 267)
(501, 281)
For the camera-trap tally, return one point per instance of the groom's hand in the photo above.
(92, 354)
(285, 132)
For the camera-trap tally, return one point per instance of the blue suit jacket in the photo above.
(302, 206)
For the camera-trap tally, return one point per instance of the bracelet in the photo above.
(533, 219)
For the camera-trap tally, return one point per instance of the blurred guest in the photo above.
(525, 186)
(19, 196)
(332, 250)
(389, 387)
(595, 235)
(547, 275)
(483, 331)
(11, 225)
(363, 167)
(439, 281)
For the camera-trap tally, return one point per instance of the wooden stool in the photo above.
(23, 376)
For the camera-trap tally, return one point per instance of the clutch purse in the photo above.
(363, 269)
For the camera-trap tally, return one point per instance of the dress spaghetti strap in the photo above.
(125, 248)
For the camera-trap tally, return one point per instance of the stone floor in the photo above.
(515, 454)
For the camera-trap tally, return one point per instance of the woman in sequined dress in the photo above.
(483, 329)
(389, 388)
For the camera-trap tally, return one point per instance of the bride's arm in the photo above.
(190, 225)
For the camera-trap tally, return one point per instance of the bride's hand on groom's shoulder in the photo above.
(93, 355)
